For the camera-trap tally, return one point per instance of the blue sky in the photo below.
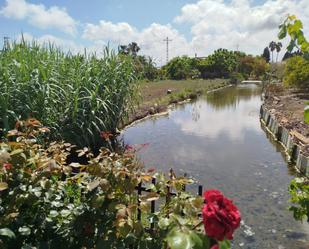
(134, 12)
(196, 26)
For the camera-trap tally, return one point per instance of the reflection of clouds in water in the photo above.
(226, 120)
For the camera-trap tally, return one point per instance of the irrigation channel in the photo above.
(219, 141)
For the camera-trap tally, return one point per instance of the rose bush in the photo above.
(48, 201)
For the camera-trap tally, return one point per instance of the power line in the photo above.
(167, 41)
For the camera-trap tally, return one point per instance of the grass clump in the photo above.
(76, 96)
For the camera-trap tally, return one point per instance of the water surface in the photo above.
(219, 141)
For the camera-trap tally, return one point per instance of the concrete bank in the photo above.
(287, 138)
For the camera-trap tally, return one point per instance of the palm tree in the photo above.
(134, 48)
(272, 46)
(278, 49)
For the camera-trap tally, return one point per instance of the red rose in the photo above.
(7, 166)
(220, 216)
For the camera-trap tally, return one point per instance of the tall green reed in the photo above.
(76, 96)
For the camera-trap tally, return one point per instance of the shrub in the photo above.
(49, 203)
(76, 96)
(179, 68)
(299, 190)
(297, 72)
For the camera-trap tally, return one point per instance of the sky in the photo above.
(194, 26)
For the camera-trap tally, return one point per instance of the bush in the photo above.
(299, 190)
(76, 96)
(179, 68)
(47, 202)
(297, 72)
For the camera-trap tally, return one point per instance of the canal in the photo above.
(219, 141)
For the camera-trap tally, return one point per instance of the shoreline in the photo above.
(282, 115)
(164, 110)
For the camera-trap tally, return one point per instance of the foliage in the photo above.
(275, 46)
(220, 64)
(266, 55)
(130, 49)
(299, 190)
(252, 67)
(297, 72)
(47, 202)
(76, 96)
(294, 28)
(179, 68)
(288, 54)
(145, 67)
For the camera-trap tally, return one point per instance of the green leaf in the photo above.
(65, 212)
(7, 233)
(225, 244)
(15, 152)
(164, 223)
(200, 241)
(26, 231)
(291, 46)
(177, 239)
(282, 33)
(53, 213)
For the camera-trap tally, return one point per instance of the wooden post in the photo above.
(184, 186)
(139, 192)
(200, 190)
(153, 204)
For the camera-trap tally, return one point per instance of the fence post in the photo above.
(139, 192)
(200, 190)
(153, 204)
(184, 186)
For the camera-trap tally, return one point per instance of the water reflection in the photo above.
(218, 140)
(218, 116)
(230, 97)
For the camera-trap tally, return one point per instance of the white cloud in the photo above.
(149, 39)
(216, 23)
(213, 24)
(39, 16)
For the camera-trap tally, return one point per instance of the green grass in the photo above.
(76, 96)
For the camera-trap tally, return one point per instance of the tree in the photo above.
(266, 55)
(272, 46)
(130, 49)
(220, 64)
(278, 49)
(288, 54)
(179, 68)
(297, 72)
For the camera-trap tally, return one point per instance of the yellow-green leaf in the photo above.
(3, 186)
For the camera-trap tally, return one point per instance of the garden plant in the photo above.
(48, 202)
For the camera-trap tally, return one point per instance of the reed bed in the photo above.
(76, 96)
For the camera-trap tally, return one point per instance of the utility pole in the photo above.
(5, 42)
(167, 41)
